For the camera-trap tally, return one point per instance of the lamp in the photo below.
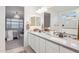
(16, 15)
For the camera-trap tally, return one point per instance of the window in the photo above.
(14, 24)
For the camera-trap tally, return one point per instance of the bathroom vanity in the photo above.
(43, 43)
(64, 38)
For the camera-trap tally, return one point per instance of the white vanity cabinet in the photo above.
(37, 44)
(31, 41)
(34, 42)
(51, 47)
(65, 50)
(42, 45)
(29, 38)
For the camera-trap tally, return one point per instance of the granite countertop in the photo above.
(65, 42)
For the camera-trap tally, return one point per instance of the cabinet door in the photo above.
(29, 38)
(51, 47)
(42, 45)
(33, 41)
(65, 50)
(37, 44)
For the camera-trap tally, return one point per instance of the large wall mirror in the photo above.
(35, 21)
(69, 23)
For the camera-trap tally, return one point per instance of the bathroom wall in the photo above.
(26, 18)
(2, 29)
(28, 12)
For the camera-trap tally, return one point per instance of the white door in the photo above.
(51, 47)
(42, 45)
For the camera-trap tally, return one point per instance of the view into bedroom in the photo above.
(14, 27)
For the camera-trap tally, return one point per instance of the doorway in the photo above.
(14, 27)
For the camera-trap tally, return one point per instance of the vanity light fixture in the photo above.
(43, 9)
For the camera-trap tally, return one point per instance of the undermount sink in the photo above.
(64, 40)
(74, 45)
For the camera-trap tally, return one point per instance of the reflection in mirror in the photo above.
(69, 24)
(35, 23)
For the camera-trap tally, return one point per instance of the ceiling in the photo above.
(11, 11)
(59, 9)
(63, 9)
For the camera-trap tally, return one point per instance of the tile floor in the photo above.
(27, 49)
(14, 44)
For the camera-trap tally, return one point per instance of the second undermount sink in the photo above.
(74, 45)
